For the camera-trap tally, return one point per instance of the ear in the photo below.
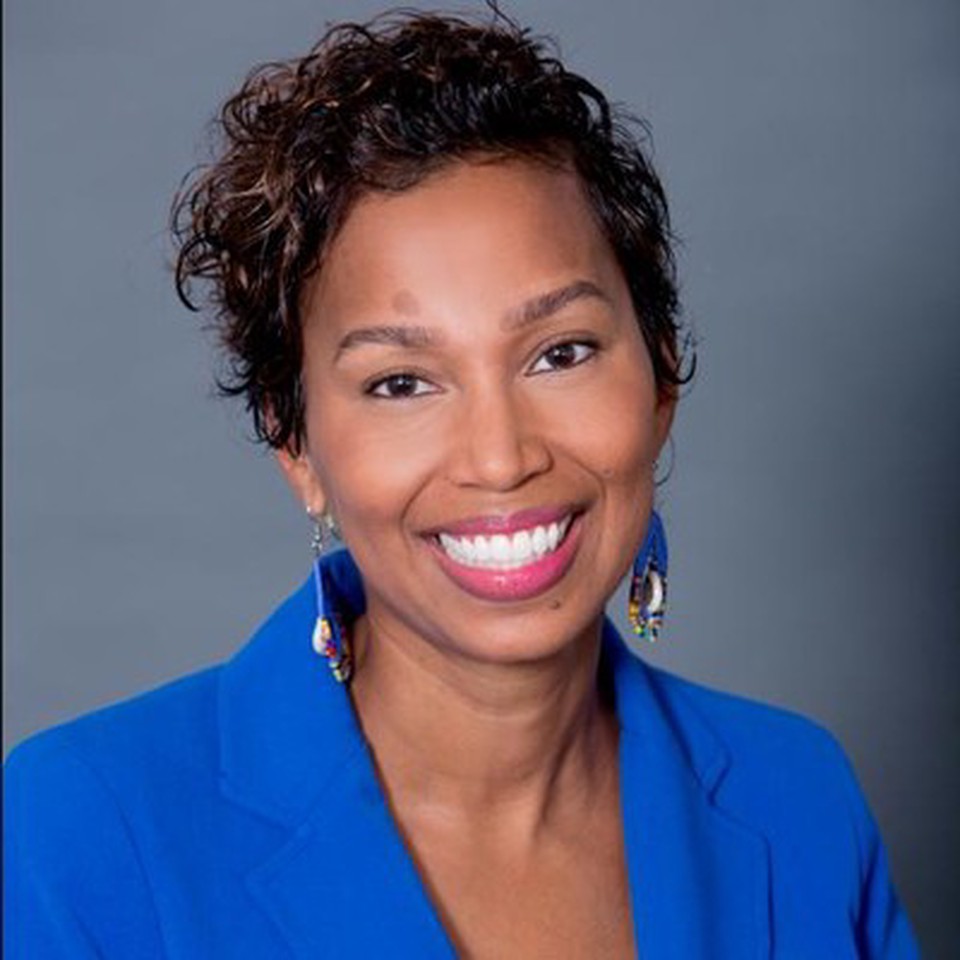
(302, 477)
(663, 415)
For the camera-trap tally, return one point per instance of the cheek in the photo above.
(613, 426)
(371, 465)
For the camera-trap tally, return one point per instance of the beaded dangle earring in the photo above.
(648, 587)
(330, 638)
(325, 531)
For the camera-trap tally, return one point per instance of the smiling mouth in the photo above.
(505, 552)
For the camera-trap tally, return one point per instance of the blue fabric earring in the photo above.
(648, 586)
(330, 637)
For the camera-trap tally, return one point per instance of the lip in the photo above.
(520, 583)
(507, 523)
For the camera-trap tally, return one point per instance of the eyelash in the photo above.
(590, 345)
(374, 388)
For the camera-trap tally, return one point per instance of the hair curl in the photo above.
(378, 107)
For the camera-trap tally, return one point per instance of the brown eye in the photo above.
(400, 386)
(563, 356)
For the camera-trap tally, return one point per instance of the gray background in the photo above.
(811, 153)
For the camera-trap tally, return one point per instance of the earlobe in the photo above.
(302, 479)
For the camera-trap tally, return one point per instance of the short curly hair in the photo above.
(378, 107)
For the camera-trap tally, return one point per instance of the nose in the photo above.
(500, 443)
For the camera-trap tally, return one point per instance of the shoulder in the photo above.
(156, 753)
(773, 757)
(787, 777)
(171, 731)
(171, 727)
(75, 794)
(79, 788)
(753, 732)
(74, 800)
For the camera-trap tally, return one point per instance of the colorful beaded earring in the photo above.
(648, 586)
(330, 637)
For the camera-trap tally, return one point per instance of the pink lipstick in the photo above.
(509, 558)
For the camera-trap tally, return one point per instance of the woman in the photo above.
(442, 272)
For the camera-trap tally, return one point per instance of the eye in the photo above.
(562, 356)
(400, 386)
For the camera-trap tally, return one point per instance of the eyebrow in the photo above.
(547, 304)
(531, 311)
(394, 336)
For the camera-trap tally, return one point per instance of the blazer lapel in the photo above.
(344, 884)
(340, 882)
(699, 880)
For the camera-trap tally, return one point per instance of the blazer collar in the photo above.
(293, 752)
(340, 882)
(286, 726)
(699, 878)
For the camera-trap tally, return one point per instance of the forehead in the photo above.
(472, 237)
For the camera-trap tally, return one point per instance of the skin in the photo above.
(510, 805)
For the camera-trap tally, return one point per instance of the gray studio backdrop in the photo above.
(811, 154)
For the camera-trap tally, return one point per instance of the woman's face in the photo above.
(481, 414)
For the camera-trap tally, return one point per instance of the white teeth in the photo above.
(553, 536)
(481, 549)
(523, 545)
(539, 539)
(502, 552)
(500, 548)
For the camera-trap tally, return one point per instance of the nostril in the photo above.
(498, 444)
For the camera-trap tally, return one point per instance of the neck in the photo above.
(478, 743)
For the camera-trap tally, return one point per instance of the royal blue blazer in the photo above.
(237, 814)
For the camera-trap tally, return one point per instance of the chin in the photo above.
(523, 639)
